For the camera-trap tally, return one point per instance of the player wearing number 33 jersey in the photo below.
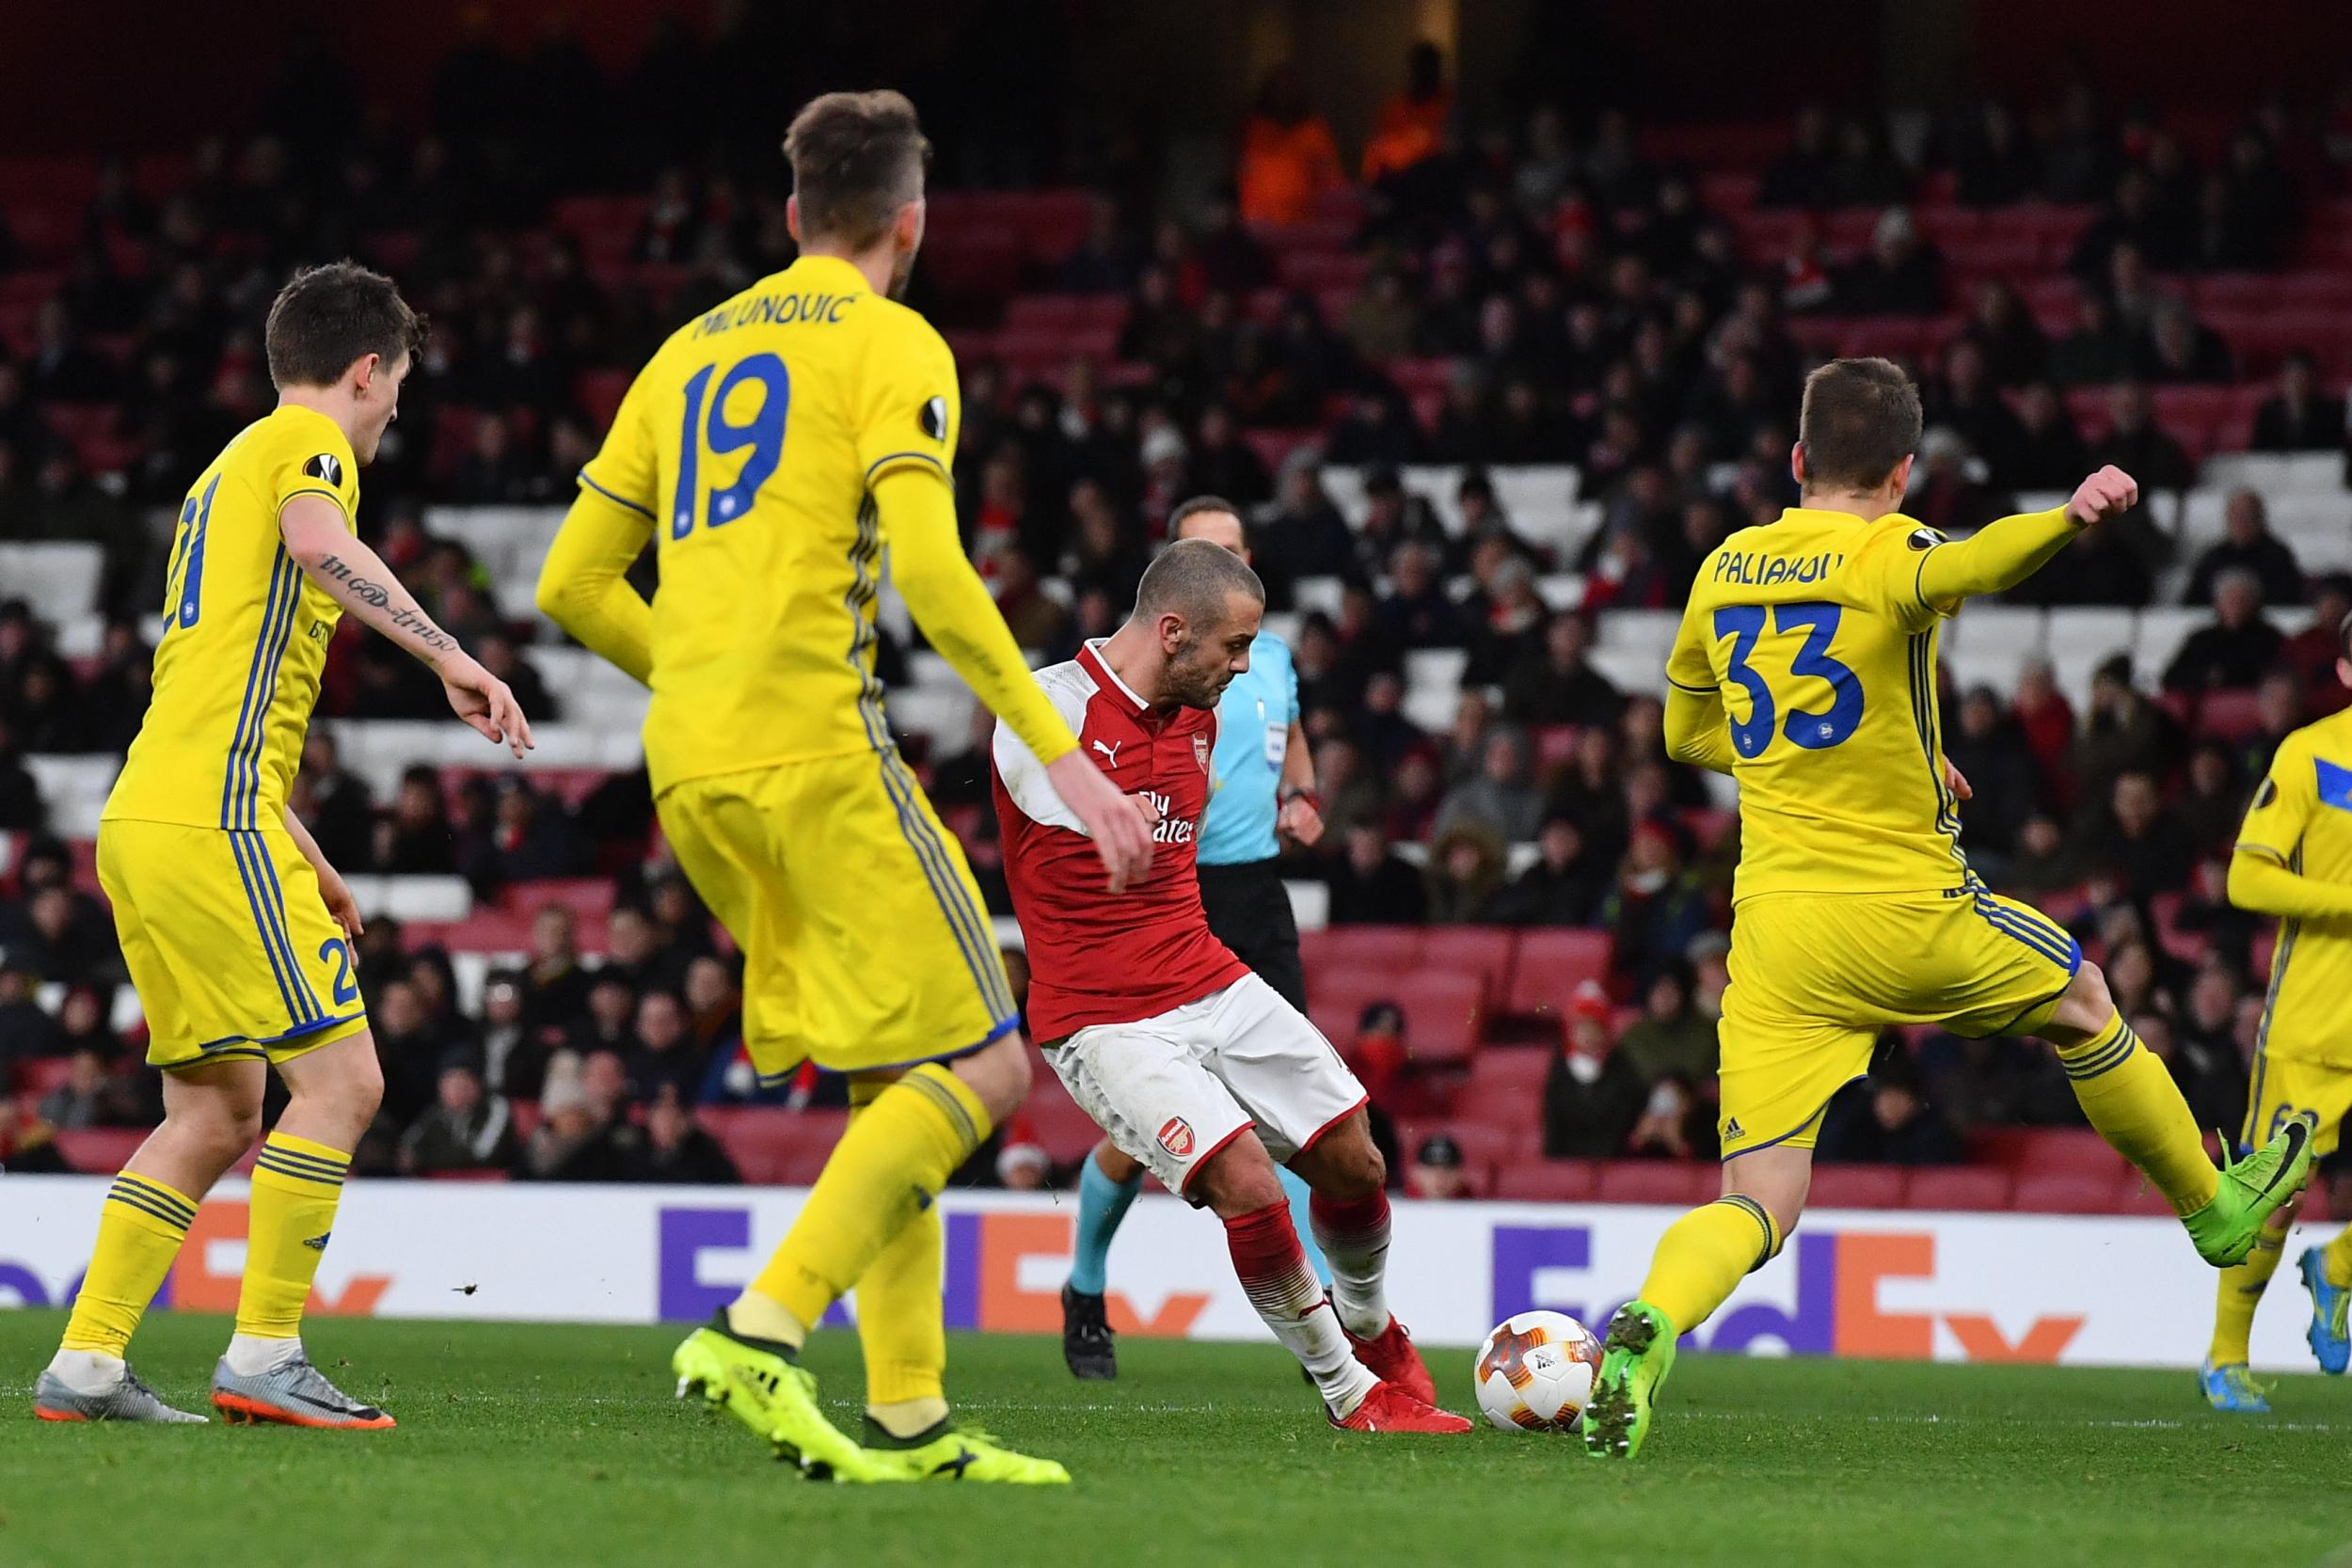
(1806, 669)
(1814, 631)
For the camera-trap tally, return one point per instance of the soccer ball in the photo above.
(1535, 1372)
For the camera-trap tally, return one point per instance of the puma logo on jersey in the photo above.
(1110, 752)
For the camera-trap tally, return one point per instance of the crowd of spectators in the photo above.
(1592, 311)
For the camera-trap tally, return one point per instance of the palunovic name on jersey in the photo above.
(1096, 956)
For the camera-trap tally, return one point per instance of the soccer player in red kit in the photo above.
(1196, 1066)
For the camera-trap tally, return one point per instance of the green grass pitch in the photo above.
(530, 1445)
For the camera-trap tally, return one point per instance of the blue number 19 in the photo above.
(763, 433)
(1744, 624)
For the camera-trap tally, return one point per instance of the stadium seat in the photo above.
(2068, 1151)
(98, 1150)
(775, 1147)
(2066, 1193)
(1443, 1013)
(1958, 1188)
(1392, 948)
(1549, 965)
(1547, 1180)
(1856, 1187)
(1506, 1084)
(1483, 1146)
(1483, 951)
(1677, 1182)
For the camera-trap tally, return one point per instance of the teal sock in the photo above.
(1102, 1204)
(1295, 1185)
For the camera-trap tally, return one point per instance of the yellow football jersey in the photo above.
(752, 439)
(2302, 819)
(1813, 630)
(245, 634)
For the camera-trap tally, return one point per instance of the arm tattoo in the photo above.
(372, 594)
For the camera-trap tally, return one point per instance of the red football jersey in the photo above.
(1096, 958)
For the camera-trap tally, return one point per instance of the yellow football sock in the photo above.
(887, 1169)
(2335, 1262)
(139, 1232)
(1703, 1255)
(2239, 1292)
(2130, 1098)
(900, 1326)
(296, 1184)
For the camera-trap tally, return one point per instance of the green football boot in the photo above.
(2251, 1191)
(1635, 1359)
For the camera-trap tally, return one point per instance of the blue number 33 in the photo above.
(1815, 732)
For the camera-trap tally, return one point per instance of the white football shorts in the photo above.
(1173, 1089)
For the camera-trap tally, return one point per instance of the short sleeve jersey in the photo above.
(244, 633)
(2301, 818)
(753, 440)
(1813, 630)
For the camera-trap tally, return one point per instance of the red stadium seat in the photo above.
(1856, 1187)
(1506, 1084)
(1958, 1188)
(37, 1075)
(1483, 951)
(1057, 1122)
(1483, 1147)
(1550, 965)
(1547, 1180)
(491, 1174)
(1676, 1182)
(2066, 1193)
(1393, 948)
(2069, 1152)
(776, 1148)
(1442, 1014)
(98, 1150)
(2232, 716)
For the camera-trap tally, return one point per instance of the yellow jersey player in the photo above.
(772, 450)
(1806, 669)
(2294, 859)
(236, 931)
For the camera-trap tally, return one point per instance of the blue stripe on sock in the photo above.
(2105, 1059)
(131, 1198)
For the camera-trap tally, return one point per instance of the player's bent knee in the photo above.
(1237, 1179)
(1345, 1163)
(998, 1072)
(2085, 1008)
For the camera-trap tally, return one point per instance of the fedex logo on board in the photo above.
(1837, 1310)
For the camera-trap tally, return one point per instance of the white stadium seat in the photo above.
(60, 580)
(2080, 640)
(2275, 473)
(429, 898)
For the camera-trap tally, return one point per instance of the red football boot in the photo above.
(1392, 1358)
(1390, 1408)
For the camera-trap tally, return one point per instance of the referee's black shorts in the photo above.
(1250, 912)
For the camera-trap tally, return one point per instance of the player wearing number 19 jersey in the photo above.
(1806, 669)
(772, 450)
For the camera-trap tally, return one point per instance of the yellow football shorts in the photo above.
(1816, 977)
(864, 942)
(228, 942)
(2286, 1087)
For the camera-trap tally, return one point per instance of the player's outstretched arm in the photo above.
(1696, 731)
(355, 578)
(340, 906)
(2006, 552)
(948, 600)
(2259, 884)
(584, 587)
